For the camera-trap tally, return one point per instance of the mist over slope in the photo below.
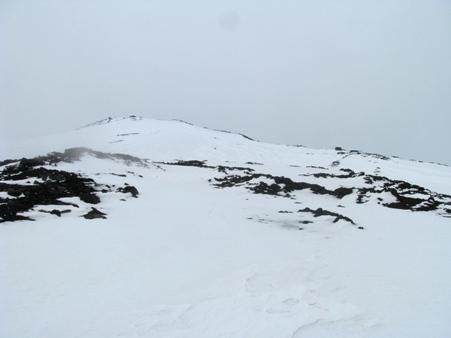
(138, 227)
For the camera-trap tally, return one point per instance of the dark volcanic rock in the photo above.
(119, 175)
(348, 174)
(129, 189)
(404, 193)
(322, 212)
(94, 213)
(49, 185)
(74, 154)
(203, 164)
(282, 185)
(55, 184)
(225, 169)
(56, 212)
(190, 163)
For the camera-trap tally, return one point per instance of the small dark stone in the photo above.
(120, 175)
(56, 212)
(94, 213)
(129, 189)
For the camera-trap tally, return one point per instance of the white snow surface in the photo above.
(185, 259)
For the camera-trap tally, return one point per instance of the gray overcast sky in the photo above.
(372, 75)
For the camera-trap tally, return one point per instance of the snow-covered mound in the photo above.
(144, 228)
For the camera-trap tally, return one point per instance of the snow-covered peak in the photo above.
(168, 140)
(144, 137)
(112, 120)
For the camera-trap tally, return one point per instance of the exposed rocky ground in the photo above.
(389, 193)
(30, 183)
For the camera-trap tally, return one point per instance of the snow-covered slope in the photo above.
(224, 237)
(161, 140)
